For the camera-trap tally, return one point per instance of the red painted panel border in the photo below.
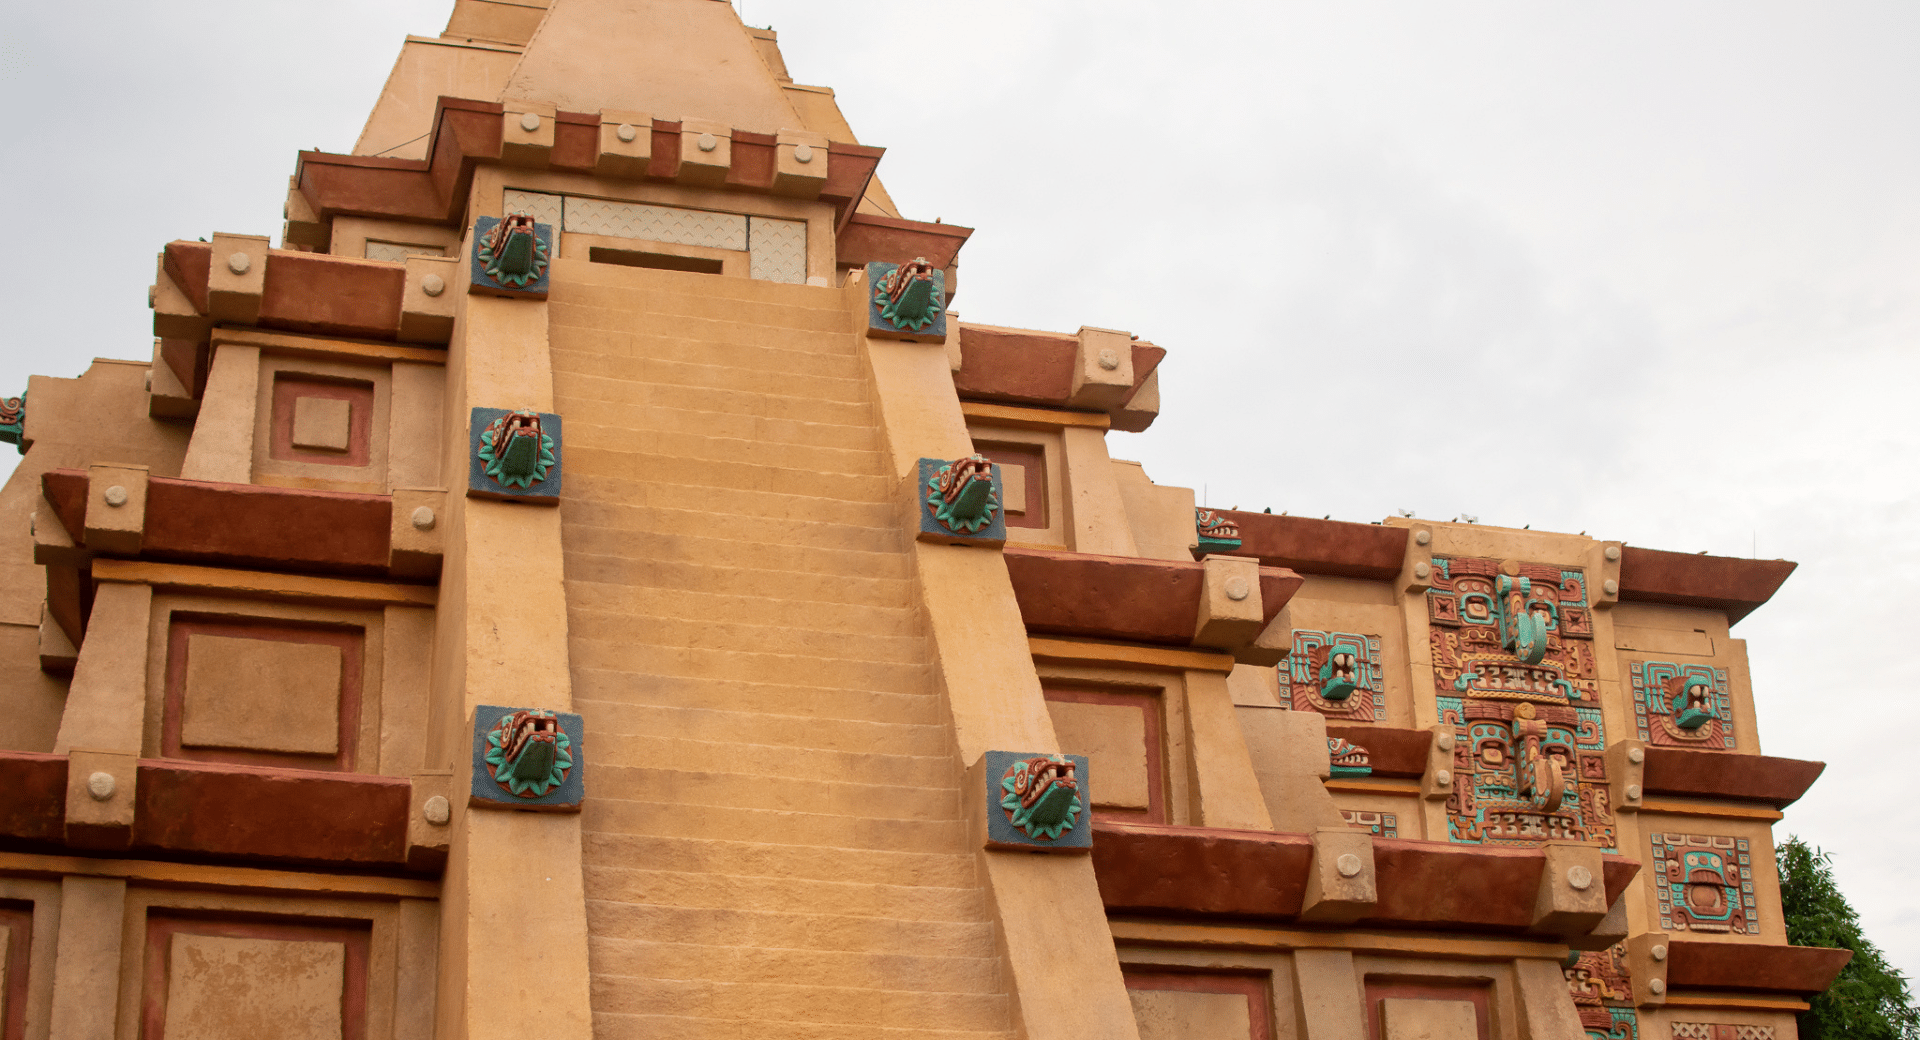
(355, 936)
(351, 642)
(17, 915)
(1257, 988)
(1152, 725)
(358, 393)
(1032, 459)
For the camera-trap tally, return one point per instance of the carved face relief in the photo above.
(1336, 674)
(1514, 669)
(1682, 705)
(1704, 883)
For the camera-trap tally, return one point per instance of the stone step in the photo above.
(758, 478)
(653, 490)
(624, 439)
(796, 351)
(642, 660)
(720, 424)
(616, 815)
(707, 926)
(743, 790)
(609, 555)
(614, 691)
(767, 730)
(608, 1026)
(643, 369)
(645, 292)
(931, 970)
(765, 608)
(680, 576)
(816, 1005)
(956, 868)
(671, 751)
(785, 895)
(573, 385)
(672, 632)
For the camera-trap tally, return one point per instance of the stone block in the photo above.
(236, 278)
(1271, 646)
(1437, 783)
(527, 130)
(526, 758)
(1647, 967)
(167, 396)
(1230, 613)
(1572, 898)
(102, 788)
(1341, 887)
(261, 695)
(522, 264)
(973, 515)
(1038, 802)
(322, 424)
(800, 164)
(1403, 1018)
(1102, 369)
(1116, 735)
(430, 821)
(426, 307)
(415, 542)
(293, 989)
(706, 152)
(626, 144)
(174, 315)
(512, 457)
(910, 305)
(116, 508)
(1626, 774)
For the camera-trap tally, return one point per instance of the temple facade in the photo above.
(586, 581)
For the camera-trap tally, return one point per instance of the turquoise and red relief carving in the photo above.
(1602, 993)
(1682, 705)
(1514, 673)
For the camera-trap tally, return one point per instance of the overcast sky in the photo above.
(1646, 270)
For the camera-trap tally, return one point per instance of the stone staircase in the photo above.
(773, 845)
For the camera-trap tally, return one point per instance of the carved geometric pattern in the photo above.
(1380, 825)
(685, 227)
(1653, 705)
(1367, 702)
(393, 251)
(1719, 1031)
(1704, 884)
(1609, 1023)
(777, 250)
(1517, 724)
(542, 207)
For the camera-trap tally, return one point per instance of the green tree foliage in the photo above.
(1870, 1000)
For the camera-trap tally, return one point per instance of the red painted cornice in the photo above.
(1753, 967)
(466, 133)
(1726, 583)
(1778, 782)
(1121, 597)
(304, 292)
(1015, 366)
(1209, 873)
(245, 525)
(1311, 546)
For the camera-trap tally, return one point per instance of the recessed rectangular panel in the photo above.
(1119, 732)
(1199, 1006)
(1026, 463)
(262, 692)
(1406, 1018)
(16, 950)
(1399, 991)
(288, 978)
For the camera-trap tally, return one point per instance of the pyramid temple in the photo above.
(583, 581)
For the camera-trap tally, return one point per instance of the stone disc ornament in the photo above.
(528, 753)
(516, 451)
